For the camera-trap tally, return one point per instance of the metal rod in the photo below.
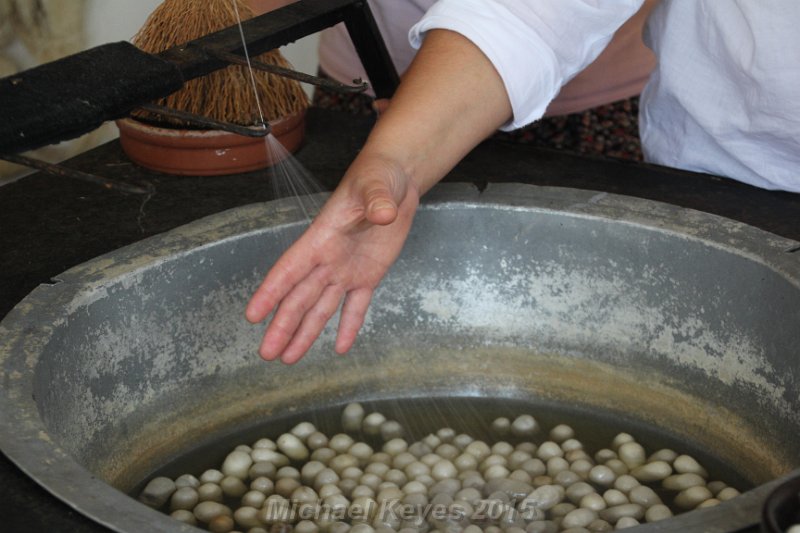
(261, 130)
(289, 73)
(58, 170)
(371, 49)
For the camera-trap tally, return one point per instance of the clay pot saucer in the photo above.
(207, 152)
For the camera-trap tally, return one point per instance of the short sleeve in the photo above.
(536, 47)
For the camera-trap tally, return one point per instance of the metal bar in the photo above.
(75, 95)
(58, 170)
(371, 49)
(263, 33)
(291, 74)
(261, 130)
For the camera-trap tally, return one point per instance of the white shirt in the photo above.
(619, 72)
(724, 98)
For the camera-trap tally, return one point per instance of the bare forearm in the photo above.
(450, 100)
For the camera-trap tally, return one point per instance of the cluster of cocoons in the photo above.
(795, 528)
(308, 482)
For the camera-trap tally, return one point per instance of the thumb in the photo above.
(379, 202)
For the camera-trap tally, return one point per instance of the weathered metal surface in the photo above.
(666, 315)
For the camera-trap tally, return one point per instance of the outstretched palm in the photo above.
(431, 124)
(342, 256)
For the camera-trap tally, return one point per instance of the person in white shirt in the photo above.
(594, 113)
(723, 100)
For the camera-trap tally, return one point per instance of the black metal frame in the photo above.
(168, 71)
(288, 24)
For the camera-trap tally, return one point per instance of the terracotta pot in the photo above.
(207, 152)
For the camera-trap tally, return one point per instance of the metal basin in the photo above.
(669, 317)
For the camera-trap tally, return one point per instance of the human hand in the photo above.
(343, 255)
(431, 124)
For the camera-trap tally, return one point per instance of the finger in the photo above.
(290, 270)
(381, 207)
(290, 313)
(353, 312)
(313, 324)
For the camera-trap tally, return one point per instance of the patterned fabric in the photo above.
(610, 130)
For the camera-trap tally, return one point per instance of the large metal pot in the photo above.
(663, 316)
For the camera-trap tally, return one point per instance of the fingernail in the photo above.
(268, 355)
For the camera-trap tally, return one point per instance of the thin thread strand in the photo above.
(249, 65)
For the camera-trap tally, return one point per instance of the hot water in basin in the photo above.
(673, 319)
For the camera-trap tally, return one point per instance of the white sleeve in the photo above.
(536, 46)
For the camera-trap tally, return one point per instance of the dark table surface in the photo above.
(49, 224)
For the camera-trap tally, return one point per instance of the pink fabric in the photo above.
(621, 71)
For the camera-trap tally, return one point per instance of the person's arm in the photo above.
(535, 46)
(450, 99)
(482, 64)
